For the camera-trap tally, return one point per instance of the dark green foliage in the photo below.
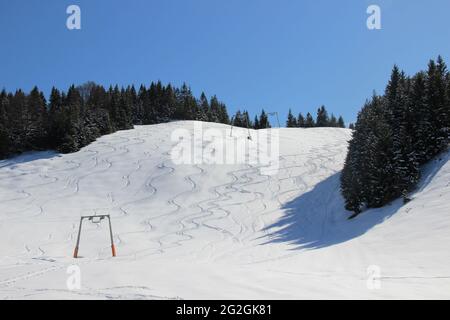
(264, 120)
(247, 123)
(394, 135)
(301, 122)
(333, 121)
(74, 119)
(4, 133)
(322, 117)
(291, 120)
(309, 121)
(256, 123)
(204, 111)
(323, 120)
(242, 119)
(35, 120)
(16, 111)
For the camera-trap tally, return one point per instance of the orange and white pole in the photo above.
(113, 248)
(75, 252)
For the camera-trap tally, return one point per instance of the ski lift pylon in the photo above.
(275, 114)
(97, 219)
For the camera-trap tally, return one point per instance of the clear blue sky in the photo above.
(275, 54)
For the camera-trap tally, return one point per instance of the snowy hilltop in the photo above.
(215, 230)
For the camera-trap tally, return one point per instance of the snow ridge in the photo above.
(214, 231)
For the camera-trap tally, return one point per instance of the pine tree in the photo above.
(432, 101)
(73, 137)
(364, 180)
(56, 122)
(256, 124)
(223, 114)
(351, 185)
(98, 115)
(35, 121)
(168, 104)
(237, 119)
(204, 112)
(214, 110)
(291, 120)
(145, 109)
(183, 109)
(301, 121)
(264, 120)
(376, 169)
(160, 102)
(4, 132)
(124, 110)
(134, 112)
(333, 122)
(394, 135)
(352, 180)
(179, 112)
(85, 91)
(17, 118)
(322, 117)
(439, 104)
(405, 163)
(341, 123)
(309, 121)
(246, 122)
(150, 102)
(138, 113)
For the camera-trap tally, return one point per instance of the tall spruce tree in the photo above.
(256, 124)
(215, 108)
(301, 121)
(237, 119)
(322, 117)
(17, 116)
(56, 119)
(264, 120)
(4, 132)
(247, 121)
(394, 135)
(437, 101)
(35, 121)
(204, 111)
(291, 120)
(223, 114)
(333, 123)
(309, 121)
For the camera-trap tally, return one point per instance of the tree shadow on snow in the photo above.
(318, 218)
(28, 157)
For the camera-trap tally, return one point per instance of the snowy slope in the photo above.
(215, 231)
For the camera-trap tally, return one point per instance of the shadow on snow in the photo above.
(28, 157)
(318, 219)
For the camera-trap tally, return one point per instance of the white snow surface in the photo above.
(215, 231)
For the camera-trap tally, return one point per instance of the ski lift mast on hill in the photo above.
(275, 114)
(248, 128)
(249, 137)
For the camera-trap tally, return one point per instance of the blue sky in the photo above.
(253, 54)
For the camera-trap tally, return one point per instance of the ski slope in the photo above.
(207, 231)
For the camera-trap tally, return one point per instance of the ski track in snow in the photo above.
(216, 223)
